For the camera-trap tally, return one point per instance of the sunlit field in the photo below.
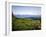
(25, 23)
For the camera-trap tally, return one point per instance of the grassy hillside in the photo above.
(25, 24)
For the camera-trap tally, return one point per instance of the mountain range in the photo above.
(28, 16)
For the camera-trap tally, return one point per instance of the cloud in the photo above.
(26, 10)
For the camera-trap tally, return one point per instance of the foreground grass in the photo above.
(25, 24)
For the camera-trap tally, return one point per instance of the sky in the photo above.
(26, 10)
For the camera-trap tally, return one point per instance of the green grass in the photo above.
(25, 24)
